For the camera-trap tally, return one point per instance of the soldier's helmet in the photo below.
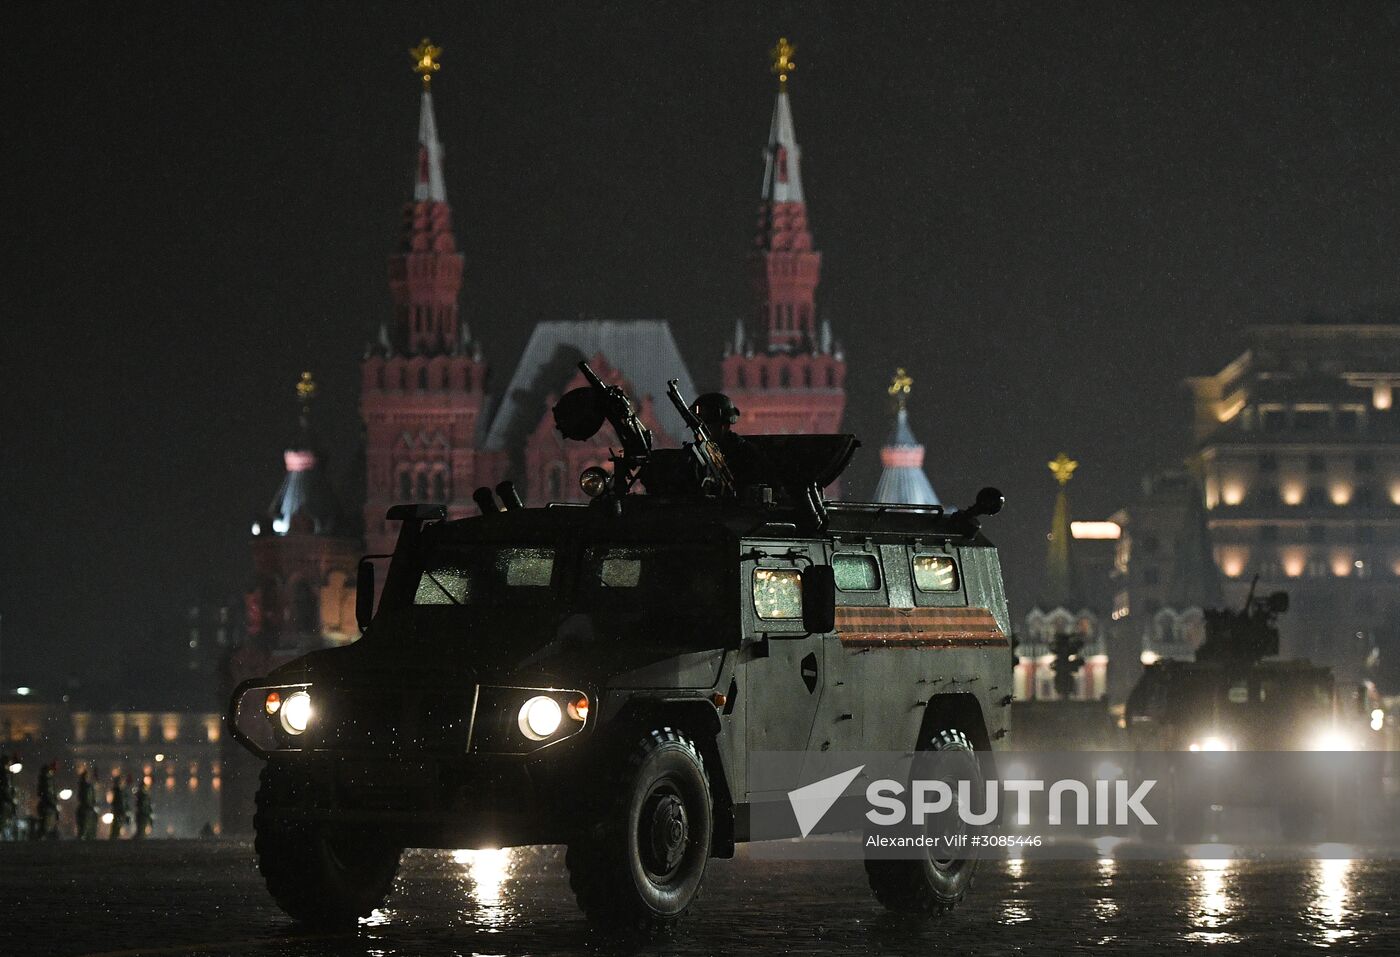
(715, 409)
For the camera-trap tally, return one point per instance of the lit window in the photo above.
(777, 593)
(935, 573)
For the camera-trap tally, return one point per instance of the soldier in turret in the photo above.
(145, 817)
(120, 809)
(748, 465)
(46, 803)
(87, 805)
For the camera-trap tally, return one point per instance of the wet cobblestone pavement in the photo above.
(169, 897)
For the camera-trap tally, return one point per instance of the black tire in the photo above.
(925, 885)
(320, 875)
(640, 863)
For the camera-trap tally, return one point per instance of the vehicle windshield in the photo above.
(487, 575)
(684, 578)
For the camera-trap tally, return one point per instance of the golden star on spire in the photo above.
(306, 389)
(1063, 468)
(425, 61)
(900, 386)
(782, 61)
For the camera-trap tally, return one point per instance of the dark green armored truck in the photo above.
(599, 675)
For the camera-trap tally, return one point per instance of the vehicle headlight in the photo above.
(540, 717)
(1212, 742)
(295, 712)
(1331, 739)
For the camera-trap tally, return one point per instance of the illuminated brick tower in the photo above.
(423, 385)
(790, 377)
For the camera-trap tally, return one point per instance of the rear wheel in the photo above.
(931, 883)
(320, 875)
(640, 863)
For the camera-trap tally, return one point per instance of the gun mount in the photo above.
(793, 469)
(1241, 638)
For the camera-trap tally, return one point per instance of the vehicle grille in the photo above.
(353, 719)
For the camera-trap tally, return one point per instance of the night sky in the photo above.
(1049, 213)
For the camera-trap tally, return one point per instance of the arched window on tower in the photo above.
(439, 486)
(405, 486)
(423, 486)
(423, 379)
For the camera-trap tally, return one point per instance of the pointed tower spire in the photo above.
(903, 481)
(786, 370)
(426, 276)
(429, 183)
(789, 267)
(1059, 573)
(782, 175)
(305, 502)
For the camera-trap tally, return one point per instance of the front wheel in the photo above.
(931, 883)
(320, 875)
(639, 864)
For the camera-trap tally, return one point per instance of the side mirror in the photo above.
(819, 599)
(364, 593)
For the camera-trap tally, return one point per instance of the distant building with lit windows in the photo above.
(1162, 579)
(1298, 445)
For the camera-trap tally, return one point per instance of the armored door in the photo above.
(783, 667)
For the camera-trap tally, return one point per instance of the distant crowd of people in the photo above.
(46, 818)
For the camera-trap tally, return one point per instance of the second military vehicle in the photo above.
(601, 675)
(1238, 697)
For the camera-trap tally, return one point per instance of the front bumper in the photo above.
(493, 801)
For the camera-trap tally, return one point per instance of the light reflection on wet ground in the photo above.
(206, 899)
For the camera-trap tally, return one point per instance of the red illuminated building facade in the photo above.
(435, 430)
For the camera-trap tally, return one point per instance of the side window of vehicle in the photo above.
(856, 571)
(936, 573)
(777, 593)
(937, 579)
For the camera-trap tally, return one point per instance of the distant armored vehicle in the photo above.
(601, 675)
(1232, 698)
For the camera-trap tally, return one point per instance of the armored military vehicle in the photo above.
(600, 675)
(1238, 697)
(1230, 698)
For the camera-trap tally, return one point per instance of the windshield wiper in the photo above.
(432, 578)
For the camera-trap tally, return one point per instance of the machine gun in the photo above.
(581, 412)
(1243, 637)
(715, 476)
